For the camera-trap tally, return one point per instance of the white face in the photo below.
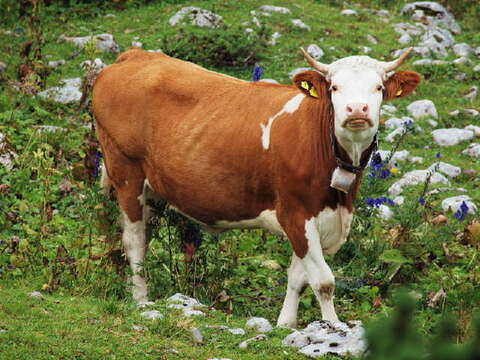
(356, 96)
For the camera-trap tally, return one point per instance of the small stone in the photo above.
(462, 49)
(453, 203)
(405, 39)
(236, 331)
(432, 123)
(454, 112)
(55, 63)
(416, 159)
(139, 328)
(275, 9)
(188, 313)
(470, 112)
(385, 212)
(315, 51)
(35, 294)
(275, 36)
(372, 39)
(152, 314)
(144, 304)
(300, 24)
(450, 170)
(104, 42)
(461, 61)
(471, 93)
(68, 93)
(474, 128)
(460, 77)
(244, 344)
(439, 220)
(394, 134)
(423, 62)
(421, 108)
(137, 44)
(473, 150)
(452, 136)
(196, 16)
(394, 123)
(387, 109)
(470, 172)
(197, 336)
(348, 12)
(476, 68)
(296, 339)
(259, 324)
(416, 177)
(185, 301)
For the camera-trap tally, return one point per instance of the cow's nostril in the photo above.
(365, 108)
(349, 109)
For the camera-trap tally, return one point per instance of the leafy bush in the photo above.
(229, 46)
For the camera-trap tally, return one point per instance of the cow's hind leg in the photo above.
(297, 280)
(127, 177)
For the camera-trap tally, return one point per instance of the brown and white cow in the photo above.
(230, 153)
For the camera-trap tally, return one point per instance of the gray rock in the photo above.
(471, 94)
(137, 44)
(387, 109)
(197, 336)
(315, 51)
(259, 324)
(454, 112)
(416, 177)
(144, 304)
(7, 155)
(271, 81)
(473, 150)
(415, 159)
(438, 15)
(382, 13)
(477, 51)
(372, 39)
(452, 136)
(236, 331)
(394, 123)
(183, 300)
(35, 294)
(244, 344)
(474, 128)
(331, 338)
(423, 51)
(348, 12)
(453, 204)
(422, 62)
(275, 36)
(462, 49)
(104, 42)
(300, 24)
(432, 122)
(476, 68)
(450, 170)
(404, 39)
(470, 112)
(152, 314)
(275, 9)
(68, 93)
(421, 108)
(385, 212)
(437, 40)
(55, 63)
(48, 129)
(196, 16)
(296, 339)
(96, 65)
(461, 61)
(397, 156)
(394, 134)
(189, 312)
(407, 28)
(110, 16)
(460, 77)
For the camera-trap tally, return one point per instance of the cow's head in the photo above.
(356, 86)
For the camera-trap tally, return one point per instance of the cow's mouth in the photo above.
(357, 124)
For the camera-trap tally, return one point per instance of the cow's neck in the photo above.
(355, 148)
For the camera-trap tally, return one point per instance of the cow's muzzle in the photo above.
(357, 123)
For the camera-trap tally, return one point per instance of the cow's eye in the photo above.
(379, 87)
(334, 88)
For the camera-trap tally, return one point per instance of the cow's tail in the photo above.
(105, 182)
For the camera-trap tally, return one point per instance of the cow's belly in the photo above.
(333, 228)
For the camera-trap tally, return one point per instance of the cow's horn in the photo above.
(323, 68)
(389, 66)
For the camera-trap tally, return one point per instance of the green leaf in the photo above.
(393, 256)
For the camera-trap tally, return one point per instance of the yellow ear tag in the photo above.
(399, 92)
(304, 84)
(313, 92)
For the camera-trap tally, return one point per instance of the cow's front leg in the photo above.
(303, 233)
(297, 280)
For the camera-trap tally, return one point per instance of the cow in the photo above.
(229, 153)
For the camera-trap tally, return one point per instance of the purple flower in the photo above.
(464, 207)
(421, 200)
(461, 212)
(384, 174)
(376, 202)
(408, 123)
(98, 157)
(438, 155)
(257, 73)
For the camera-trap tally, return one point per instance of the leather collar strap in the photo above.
(343, 164)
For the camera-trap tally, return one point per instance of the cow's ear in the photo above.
(401, 84)
(311, 83)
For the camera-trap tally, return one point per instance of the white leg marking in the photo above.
(319, 275)
(290, 107)
(135, 246)
(297, 279)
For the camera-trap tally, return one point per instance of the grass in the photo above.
(65, 238)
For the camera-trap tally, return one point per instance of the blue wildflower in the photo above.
(464, 207)
(98, 157)
(461, 211)
(376, 202)
(438, 155)
(408, 123)
(421, 200)
(257, 73)
(384, 174)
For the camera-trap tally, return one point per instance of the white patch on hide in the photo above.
(290, 107)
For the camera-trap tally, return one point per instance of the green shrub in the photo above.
(226, 47)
